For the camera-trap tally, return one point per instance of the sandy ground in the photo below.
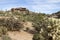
(20, 35)
(28, 25)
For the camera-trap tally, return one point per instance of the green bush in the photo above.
(36, 37)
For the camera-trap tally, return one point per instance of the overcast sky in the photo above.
(44, 6)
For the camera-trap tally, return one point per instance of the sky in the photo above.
(43, 6)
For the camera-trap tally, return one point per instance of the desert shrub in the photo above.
(38, 36)
(27, 29)
(54, 29)
(6, 37)
(13, 24)
(3, 30)
(48, 30)
(42, 29)
(32, 31)
(2, 21)
(2, 13)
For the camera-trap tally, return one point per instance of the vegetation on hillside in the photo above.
(45, 28)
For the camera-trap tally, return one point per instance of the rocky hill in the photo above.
(23, 24)
(56, 15)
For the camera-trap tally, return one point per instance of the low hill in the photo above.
(18, 23)
(56, 15)
(23, 24)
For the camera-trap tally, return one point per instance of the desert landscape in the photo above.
(29, 19)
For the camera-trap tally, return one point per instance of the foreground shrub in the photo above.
(3, 30)
(11, 23)
(6, 37)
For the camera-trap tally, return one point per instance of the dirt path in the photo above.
(20, 35)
